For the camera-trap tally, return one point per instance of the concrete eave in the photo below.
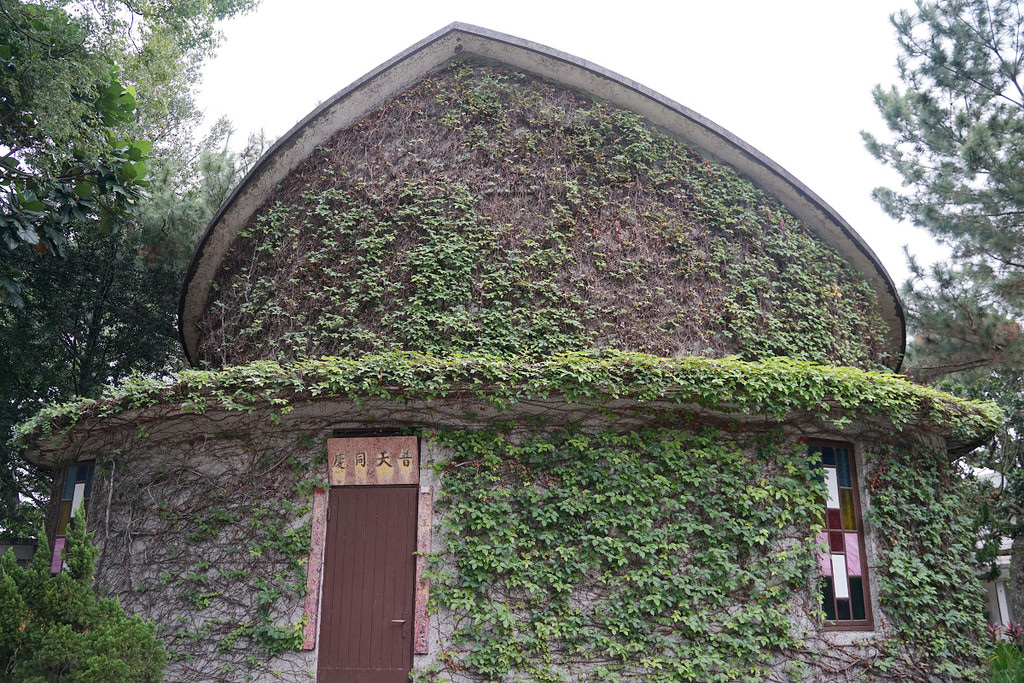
(390, 79)
(100, 434)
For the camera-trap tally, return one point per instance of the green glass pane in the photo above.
(846, 507)
(843, 466)
(828, 602)
(857, 597)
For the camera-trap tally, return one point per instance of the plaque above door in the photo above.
(373, 461)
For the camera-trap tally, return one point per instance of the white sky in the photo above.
(793, 78)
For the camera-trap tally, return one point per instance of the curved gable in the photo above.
(391, 79)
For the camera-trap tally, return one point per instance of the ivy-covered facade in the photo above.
(513, 370)
(487, 211)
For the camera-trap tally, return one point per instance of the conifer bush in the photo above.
(55, 627)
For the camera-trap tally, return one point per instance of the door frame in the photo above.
(346, 445)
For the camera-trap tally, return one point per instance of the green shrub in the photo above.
(1006, 664)
(55, 628)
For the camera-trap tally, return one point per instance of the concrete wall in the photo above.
(193, 515)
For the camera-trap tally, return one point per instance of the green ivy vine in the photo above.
(488, 237)
(775, 387)
(686, 555)
(676, 551)
(224, 566)
(487, 211)
(920, 509)
(655, 554)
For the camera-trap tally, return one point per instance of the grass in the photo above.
(1006, 664)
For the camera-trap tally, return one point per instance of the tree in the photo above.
(93, 257)
(82, 85)
(956, 137)
(103, 312)
(54, 628)
(62, 160)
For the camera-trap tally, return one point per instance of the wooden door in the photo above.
(369, 582)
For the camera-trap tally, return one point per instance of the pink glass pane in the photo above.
(824, 562)
(58, 551)
(852, 554)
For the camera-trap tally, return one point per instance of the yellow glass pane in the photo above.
(846, 506)
(65, 515)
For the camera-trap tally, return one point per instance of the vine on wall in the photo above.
(655, 554)
(490, 214)
(682, 555)
(488, 211)
(920, 507)
(774, 387)
(692, 537)
(208, 536)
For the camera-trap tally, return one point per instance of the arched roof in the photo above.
(387, 81)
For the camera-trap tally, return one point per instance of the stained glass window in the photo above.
(841, 562)
(74, 503)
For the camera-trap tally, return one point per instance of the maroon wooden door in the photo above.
(369, 582)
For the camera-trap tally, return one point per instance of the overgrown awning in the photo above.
(410, 389)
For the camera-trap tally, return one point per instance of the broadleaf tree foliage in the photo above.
(87, 89)
(103, 191)
(105, 310)
(62, 107)
(956, 136)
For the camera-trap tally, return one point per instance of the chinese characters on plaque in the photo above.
(380, 460)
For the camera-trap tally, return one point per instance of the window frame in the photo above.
(868, 622)
(59, 538)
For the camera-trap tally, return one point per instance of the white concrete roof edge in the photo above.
(392, 77)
